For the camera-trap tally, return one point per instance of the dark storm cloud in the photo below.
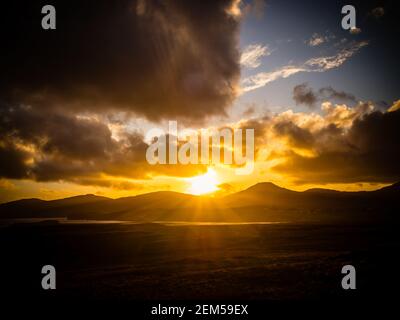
(55, 146)
(161, 59)
(260, 127)
(303, 94)
(297, 137)
(12, 161)
(56, 133)
(369, 151)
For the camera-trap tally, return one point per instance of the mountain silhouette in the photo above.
(260, 202)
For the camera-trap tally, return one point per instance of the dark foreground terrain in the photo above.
(152, 262)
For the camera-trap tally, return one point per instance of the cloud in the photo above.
(395, 106)
(252, 54)
(330, 93)
(263, 78)
(108, 183)
(318, 64)
(12, 161)
(339, 144)
(367, 152)
(318, 39)
(61, 93)
(152, 59)
(249, 111)
(297, 136)
(57, 146)
(303, 94)
(343, 116)
(355, 30)
(345, 145)
(6, 185)
(234, 9)
(321, 64)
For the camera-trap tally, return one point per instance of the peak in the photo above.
(266, 183)
(88, 195)
(396, 185)
(392, 187)
(80, 198)
(24, 201)
(266, 186)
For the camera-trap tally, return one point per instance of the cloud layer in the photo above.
(55, 146)
(343, 145)
(152, 58)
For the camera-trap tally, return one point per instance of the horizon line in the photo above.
(208, 195)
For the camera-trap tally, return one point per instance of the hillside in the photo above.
(261, 202)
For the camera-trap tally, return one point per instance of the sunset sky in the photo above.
(76, 102)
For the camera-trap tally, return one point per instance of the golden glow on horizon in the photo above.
(273, 150)
(206, 183)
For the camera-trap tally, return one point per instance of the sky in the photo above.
(76, 102)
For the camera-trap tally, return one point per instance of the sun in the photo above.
(206, 183)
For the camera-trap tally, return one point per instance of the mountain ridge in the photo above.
(261, 201)
(270, 186)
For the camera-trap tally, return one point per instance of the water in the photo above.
(166, 223)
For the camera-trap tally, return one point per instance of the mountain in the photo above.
(264, 193)
(31, 208)
(392, 189)
(95, 207)
(261, 202)
(264, 187)
(77, 200)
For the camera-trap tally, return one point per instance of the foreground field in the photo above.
(165, 262)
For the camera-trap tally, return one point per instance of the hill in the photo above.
(260, 202)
